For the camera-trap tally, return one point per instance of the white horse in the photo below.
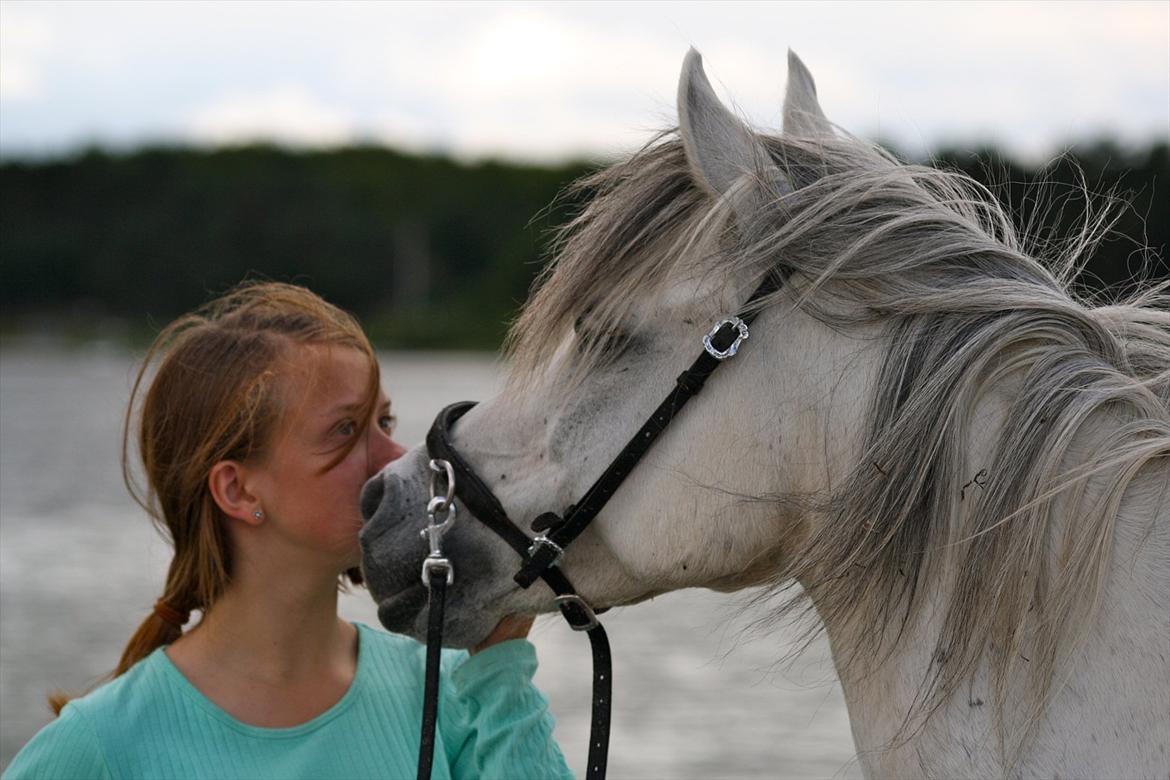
(966, 470)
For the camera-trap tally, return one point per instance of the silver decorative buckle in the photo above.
(543, 541)
(739, 324)
(573, 598)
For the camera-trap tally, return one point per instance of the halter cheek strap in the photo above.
(556, 532)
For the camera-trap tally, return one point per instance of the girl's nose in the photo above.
(383, 450)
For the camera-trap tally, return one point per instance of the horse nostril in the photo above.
(372, 496)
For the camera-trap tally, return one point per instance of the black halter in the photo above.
(540, 555)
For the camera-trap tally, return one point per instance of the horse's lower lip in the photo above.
(398, 612)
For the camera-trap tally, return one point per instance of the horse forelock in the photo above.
(611, 256)
(936, 259)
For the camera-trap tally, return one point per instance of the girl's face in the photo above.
(310, 507)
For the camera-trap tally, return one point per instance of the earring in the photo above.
(258, 514)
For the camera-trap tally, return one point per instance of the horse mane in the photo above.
(966, 307)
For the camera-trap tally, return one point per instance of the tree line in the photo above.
(428, 251)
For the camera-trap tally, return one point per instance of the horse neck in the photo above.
(1108, 710)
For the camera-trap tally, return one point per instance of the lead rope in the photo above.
(437, 574)
(430, 713)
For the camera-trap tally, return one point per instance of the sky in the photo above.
(543, 82)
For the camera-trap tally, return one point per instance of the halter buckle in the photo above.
(571, 601)
(723, 354)
(543, 541)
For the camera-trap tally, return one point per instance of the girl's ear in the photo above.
(228, 484)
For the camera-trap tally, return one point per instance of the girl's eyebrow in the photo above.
(344, 408)
(350, 407)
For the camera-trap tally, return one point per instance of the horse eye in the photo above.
(611, 343)
(605, 338)
(585, 314)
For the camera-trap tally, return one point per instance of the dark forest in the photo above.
(429, 252)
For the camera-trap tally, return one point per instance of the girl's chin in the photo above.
(341, 556)
(353, 560)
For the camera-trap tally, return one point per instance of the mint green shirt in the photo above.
(152, 723)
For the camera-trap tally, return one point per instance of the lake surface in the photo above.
(80, 565)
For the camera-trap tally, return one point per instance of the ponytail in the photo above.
(162, 626)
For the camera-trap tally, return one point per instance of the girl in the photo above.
(260, 425)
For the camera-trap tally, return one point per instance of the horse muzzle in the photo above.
(393, 504)
(394, 546)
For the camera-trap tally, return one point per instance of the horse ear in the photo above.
(803, 116)
(719, 147)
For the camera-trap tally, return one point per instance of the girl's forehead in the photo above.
(326, 375)
(327, 363)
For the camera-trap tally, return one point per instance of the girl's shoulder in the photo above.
(67, 747)
(75, 743)
(124, 696)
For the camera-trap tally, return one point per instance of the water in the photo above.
(80, 566)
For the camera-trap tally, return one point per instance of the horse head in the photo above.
(640, 279)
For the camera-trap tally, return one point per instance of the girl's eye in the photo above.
(347, 428)
(388, 422)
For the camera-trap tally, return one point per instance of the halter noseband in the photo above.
(540, 555)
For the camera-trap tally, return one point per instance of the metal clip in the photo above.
(718, 354)
(576, 601)
(434, 531)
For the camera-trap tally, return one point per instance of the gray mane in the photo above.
(933, 258)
